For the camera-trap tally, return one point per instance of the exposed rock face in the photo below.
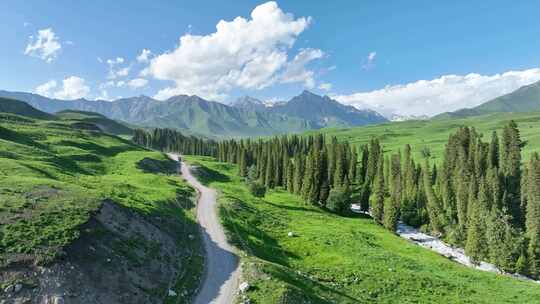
(121, 257)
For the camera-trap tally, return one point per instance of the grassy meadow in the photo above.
(54, 177)
(434, 133)
(334, 259)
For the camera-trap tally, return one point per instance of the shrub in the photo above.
(257, 189)
(339, 200)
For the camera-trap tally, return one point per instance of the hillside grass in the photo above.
(433, 134)
(107, 125)
(334, 259)
(54, 177)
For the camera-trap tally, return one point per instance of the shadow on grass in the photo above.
(243, 222)
(151, 165)
(294, 208)
(16, 137)
(206, 175)
(311, 286)
(39, 170)
(97, 149)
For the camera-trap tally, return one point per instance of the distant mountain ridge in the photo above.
(524, 99)
(246, 117)
(321, 111)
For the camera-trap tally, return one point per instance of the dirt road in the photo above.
(222, 271)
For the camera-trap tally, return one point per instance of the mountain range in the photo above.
(194, 115)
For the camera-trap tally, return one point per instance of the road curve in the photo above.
(222, 271)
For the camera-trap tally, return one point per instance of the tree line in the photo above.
(481, 196)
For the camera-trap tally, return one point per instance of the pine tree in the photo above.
(339, 174)
(290, 176)
(533, 215)
(242, 166)
(391, 205)
(510, 164)
(269, 174)
(379, 194)
(363, 165)
(307, 181)
(504, 242)
(476, 245)
(298, 173)
(494, 151)
(373, 159)
(353, 163)
(316, 181)
(332, 151)
(433, 205)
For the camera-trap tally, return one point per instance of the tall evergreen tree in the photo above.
(242, 166)
(433, 205)
(379, 193)
(270, 169)
(494, 150)
(510, 164)
(533, 215)
(476, 245)
(391, 205)
(298, 173)
(290, 176)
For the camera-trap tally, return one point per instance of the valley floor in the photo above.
(334, 259)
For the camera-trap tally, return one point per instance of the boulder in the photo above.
(244, 287)
(172, 293)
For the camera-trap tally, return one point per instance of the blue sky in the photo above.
(407, 57)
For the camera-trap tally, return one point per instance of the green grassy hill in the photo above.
(8, 105)
(107, 125)
(523, 100)
(54, 180)
(333, 259)
(433, 134)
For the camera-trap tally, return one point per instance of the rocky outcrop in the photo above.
(121, 257)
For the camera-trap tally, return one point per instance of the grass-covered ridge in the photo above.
(105, 124)
(335, 259)
(434, 133)
(53, 177)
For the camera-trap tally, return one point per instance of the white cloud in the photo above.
(114, 70)
(296, 71)
(325, 86)
(144, 56)
(45, 89)
(73, 87)
(122, 72)
(137, 83)
(115, 61)
(370, 61)
(120, 84)
(443, 94)
(45, 46)
(242, 53)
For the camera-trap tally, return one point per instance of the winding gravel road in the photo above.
(222, 273)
